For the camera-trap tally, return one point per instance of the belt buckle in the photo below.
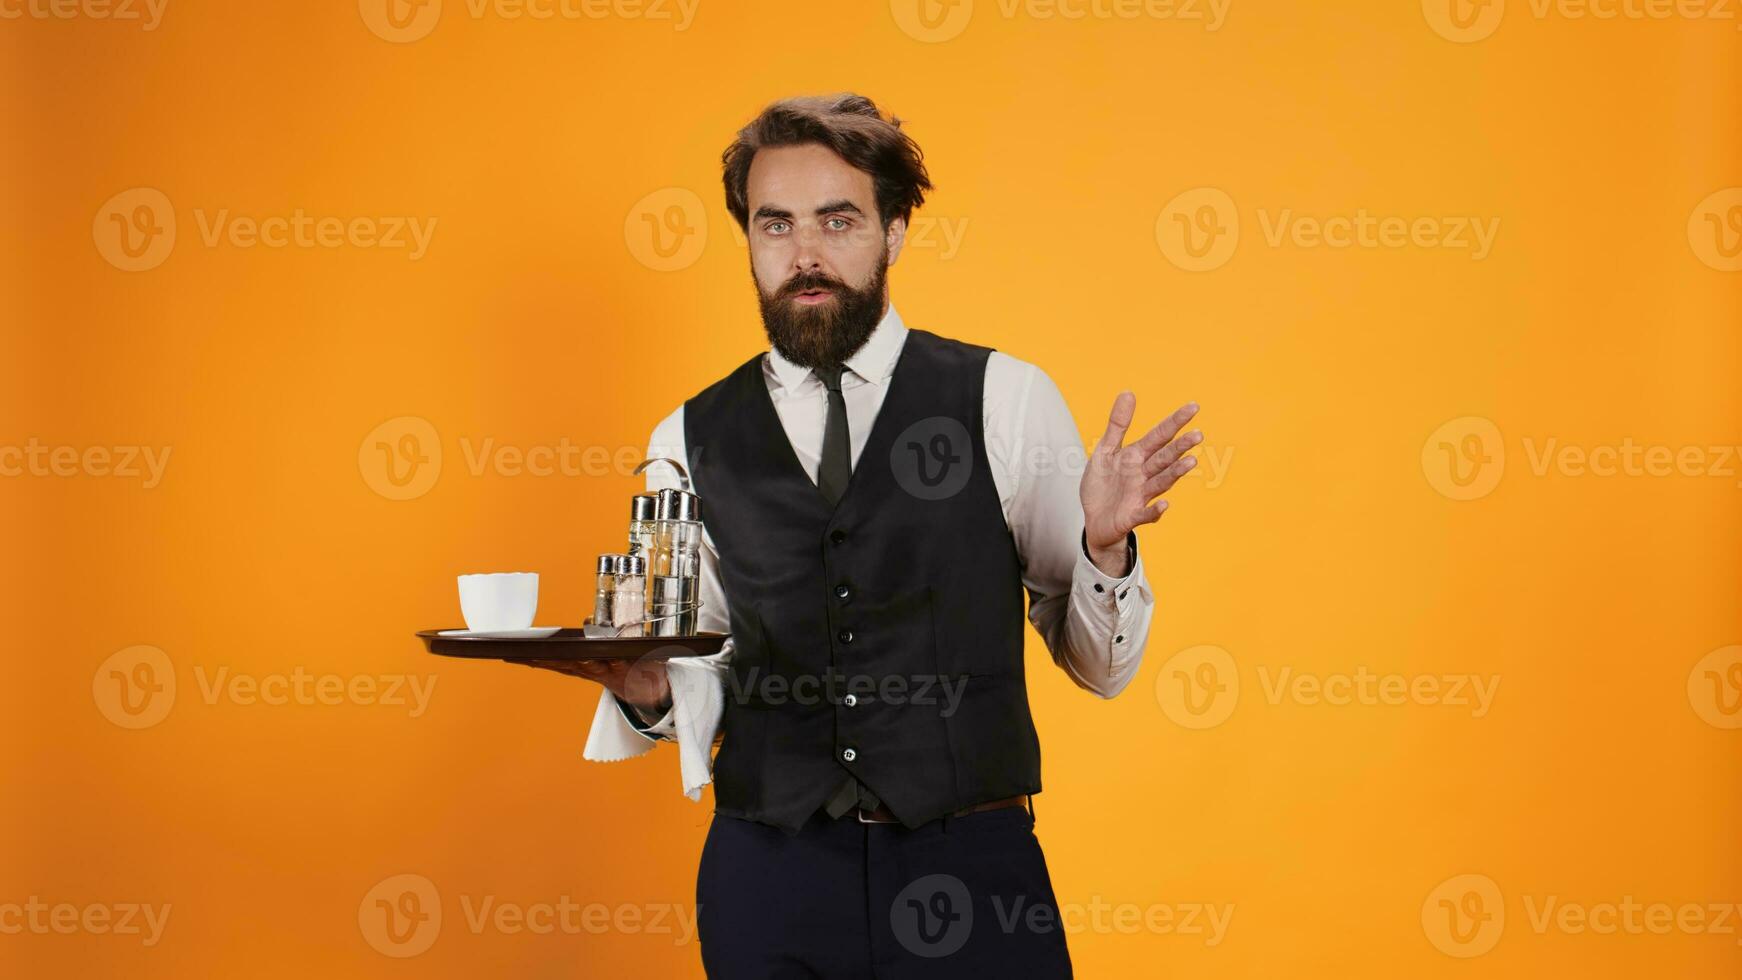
(862, 819)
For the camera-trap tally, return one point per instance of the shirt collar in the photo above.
(873, 362)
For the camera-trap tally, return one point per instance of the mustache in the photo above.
(804, 282)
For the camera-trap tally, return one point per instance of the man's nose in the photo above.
(808, 257)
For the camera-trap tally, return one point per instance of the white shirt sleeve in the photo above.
(1094, 625)
(697, 683)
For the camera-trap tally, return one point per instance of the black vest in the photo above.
(881, 637)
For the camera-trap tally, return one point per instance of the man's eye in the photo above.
(776, 228)
(837, 224)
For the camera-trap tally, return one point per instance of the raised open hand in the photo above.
(1121, 481)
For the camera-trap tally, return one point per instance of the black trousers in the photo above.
(959, 897)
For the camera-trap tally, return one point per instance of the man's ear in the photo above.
(894, 237)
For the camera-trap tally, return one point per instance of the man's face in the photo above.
(818, 252)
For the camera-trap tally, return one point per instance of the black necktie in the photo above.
(836, 465)
(832, 476)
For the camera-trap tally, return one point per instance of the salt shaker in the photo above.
(628, 596)
(642, 510)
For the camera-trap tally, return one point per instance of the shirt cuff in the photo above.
(661, 729)
(612, 738)
(1125, 595)
(1102, 578)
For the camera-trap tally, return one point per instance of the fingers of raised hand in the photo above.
(1163, 482)
(1151, 513)
(1170, 454)
(1124, 409)
(1167, 428)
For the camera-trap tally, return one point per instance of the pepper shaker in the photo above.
(678, 534)
(605, 596)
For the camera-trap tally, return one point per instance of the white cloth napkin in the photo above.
(698, 698)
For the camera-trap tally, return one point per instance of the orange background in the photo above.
(1055, 145)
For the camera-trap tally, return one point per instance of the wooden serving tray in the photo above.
(573, 644)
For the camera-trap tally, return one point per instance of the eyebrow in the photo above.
(842, 206)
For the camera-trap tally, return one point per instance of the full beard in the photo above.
(829, 332)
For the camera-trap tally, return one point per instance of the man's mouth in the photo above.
(811, 297)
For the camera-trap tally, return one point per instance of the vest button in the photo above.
(845, 636)
(837, 536)
(842, 592)
(850, 700)
(849, 755)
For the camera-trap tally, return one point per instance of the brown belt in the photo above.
(883, 815)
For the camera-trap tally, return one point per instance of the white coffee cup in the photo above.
(499, 600)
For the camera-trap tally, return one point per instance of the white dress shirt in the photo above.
(1094, 625)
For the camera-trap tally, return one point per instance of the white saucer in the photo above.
(530, 633)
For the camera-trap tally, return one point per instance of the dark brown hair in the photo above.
(846, 123)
